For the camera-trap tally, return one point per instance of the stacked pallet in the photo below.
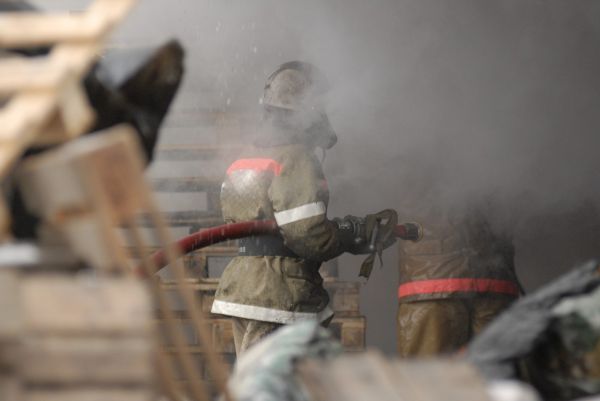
(205, 266)
(348, 325)
(43, 101)
(65, 338)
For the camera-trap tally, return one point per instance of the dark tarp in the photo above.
(547, 338)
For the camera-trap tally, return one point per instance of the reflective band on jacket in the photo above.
(266, 314)
(457, 285)
(300, 213)
(256, 165)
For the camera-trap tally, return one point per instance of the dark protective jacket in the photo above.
(457, 258)
(285, 183)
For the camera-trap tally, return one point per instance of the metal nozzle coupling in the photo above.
(413, 231)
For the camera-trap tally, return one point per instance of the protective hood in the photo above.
(294, 110)
(285, 127)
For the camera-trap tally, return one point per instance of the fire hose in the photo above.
(225, 232)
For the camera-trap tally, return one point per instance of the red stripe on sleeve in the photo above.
(457, 285)
(256, 165)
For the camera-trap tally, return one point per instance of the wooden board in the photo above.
(350, 331)
(51, 359)
(10, 388)
(47, 103)
(11, 326)
(31, 29)
(369, 376)
(186, 184)
(64, 304)
(88, 393)
(194, 218)
(194, 152)
(344, 297)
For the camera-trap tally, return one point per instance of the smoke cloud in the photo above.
(437, 104)
(466, 99)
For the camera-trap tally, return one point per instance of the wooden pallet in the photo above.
(46, 103)
(43, 100)
(348, 325)
(64, 326)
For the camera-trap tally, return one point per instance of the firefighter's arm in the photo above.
(299, 197)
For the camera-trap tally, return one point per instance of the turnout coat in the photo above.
(278, 279)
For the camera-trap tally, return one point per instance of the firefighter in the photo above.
(275, 280)
(452, 283)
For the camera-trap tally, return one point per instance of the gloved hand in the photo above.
(369, 235)
(351, 232)
(363, 235)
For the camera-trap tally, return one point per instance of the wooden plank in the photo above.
(194, 152)
(10, 388)
(101, 184)
(65, 63)
(18, 73)
(31, 29)
(74, 115)
(185, 326)
(197, 285)
(350, 378)
(5, 221)
(107, 164)
(26, 113)
(221, 122)
(23, 118)
(455, 380)
(222, 335)
(208, 298)
(63, 304)
(345, 297)
(197, 218)
(186, 184)
(199, 360)
(88, 393)
(87, 359)
(20, 120)
(10, 310)
(350, 331)
(209, 383)
(191, 118)
(370, 376)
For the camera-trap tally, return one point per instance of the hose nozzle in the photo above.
(409, 231)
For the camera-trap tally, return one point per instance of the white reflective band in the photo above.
(300, 213)
(266, 314)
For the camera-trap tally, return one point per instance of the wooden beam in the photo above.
(49, 97)
(194, 152)
(32, 29)
(196, 218)
(185, 184)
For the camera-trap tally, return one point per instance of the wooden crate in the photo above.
(77, 339)
(348, 326)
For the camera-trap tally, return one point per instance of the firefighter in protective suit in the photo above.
(453, 283)
(275, 280)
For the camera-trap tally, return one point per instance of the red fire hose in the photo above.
(214, 235)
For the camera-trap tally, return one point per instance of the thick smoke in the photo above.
(437, 104)
(493, 99)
